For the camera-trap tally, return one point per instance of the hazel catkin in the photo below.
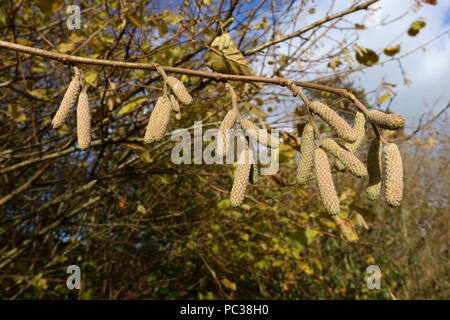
(390, 121)
(241, 177)
(69, 100)
(306, 155)
(159, 118)
(175, 106)
(325, 183)
(342, 128)
(179, 90)
(83, 120)
(393, 169)
(350, 161)
(374, 169)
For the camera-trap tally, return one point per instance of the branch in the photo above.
(311, 26)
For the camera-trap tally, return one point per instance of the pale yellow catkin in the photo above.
(393, 169)
(307, 147)
(390, 121)
(360, 128)
(325, 183)
(342, 128)
(226, 124)
(241, 177)
(83, 120)
(69, 100)
(350, 161)
(159, 118)
(374, 169)
(179, 90)
(260, 135)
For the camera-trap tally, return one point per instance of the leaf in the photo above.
(359, 26)
(383, 98)
(130, 106)
(16, 112)
(172, 18)
(49, 6)
(230, 285)
(224, 204)
(347, 228)
(141, 151)
(334, 63)
(91, 77)
(415, 27)
(432, 2)
(151, 277)
(66, 47)
(366, 56)
(392, 51)
(228, 59)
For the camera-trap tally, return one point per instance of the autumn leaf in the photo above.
(366, 56)
(415, 27)
(49, 6)
(16, 113)
(230, 285)
(392, 51)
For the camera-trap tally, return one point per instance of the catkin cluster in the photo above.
(76, 95)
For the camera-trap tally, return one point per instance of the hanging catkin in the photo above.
(342, 128)
(157, 124)
(350, 161)
(226, 124)
(306, 155)
(260, 135)
(390, 121)
(360, 128)
(393, 175)
(175, 106)
(241, 177)
(325, 183)
(69, 100)
(179, 90)
(83, 120)
(374, 169)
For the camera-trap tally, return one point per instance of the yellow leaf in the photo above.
(383, 98)
(91, 77)
(230, 285)
(130, 106)
(392, 51)
(66, 47)
(38, 93)
(415, 27)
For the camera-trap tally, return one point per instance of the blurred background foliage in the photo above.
(141, 227)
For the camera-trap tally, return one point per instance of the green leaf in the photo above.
(415, 27)
(130, 106)
(224, 204)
